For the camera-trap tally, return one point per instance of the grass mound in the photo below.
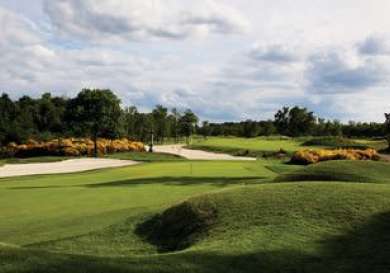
(292, 227)
(335, 142)
(354, 171)
(178, 227)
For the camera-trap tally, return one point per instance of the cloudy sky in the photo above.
(225, 59)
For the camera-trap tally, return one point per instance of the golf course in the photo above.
(172, 214)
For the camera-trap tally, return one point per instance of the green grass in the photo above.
(336, 142)
(54, 207)
(310, 227)
(145, 156)
(268, 146)
(354, 171)
(199, 217)
(260, 146)
(38, 159)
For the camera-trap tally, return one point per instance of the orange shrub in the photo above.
(306, 157)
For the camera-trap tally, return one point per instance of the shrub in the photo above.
(71, 147)
(306, 157)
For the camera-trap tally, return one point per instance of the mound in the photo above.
(292, 227)
(334, 142)
(178, 227)
(354, 171)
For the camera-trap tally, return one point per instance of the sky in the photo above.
(227, 60)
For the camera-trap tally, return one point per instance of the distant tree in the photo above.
(129, 120)
(160, 122)
(9, 129)
(282, 120)
(205, 130)
(49, 112)
(387, 129)
(250, 129)
(295, 121)
(175, 117)
(187, 124)
(267, 128)
(96, 113)
(301, 121)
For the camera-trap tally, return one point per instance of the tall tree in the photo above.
(175, 117)
(96, 112)
(281, 120)
(387, 128)
(160, 124)
(295, 121)
(187, 124)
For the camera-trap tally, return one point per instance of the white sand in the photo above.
(196, 154)
(66, 166)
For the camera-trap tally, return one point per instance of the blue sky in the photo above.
(225, 59)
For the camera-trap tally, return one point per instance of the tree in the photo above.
(250, 129)
(96, 113)
(187, 124)
(175, 117)
(160, 127)
(387, 128)
(205, 130)
(301, 121)
(295, 121)
(281, 120)
(129, 120)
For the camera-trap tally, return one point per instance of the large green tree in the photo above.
(187, 123)
(295, 121)
(95, 113)
(160, 122)
(387, 129)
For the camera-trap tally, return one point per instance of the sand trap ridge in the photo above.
(66, 166)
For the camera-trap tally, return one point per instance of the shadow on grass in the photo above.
(184, 180)
(363, 249)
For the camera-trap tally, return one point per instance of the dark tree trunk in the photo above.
(95, 150)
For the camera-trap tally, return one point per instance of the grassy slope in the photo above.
(240, 146)
(262, 145)
(146, 157)
(54, 207)
(37, 159)
(354, 171)
(311, 227)
(321, 227)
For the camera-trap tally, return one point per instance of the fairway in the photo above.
(55, 207)
(249, 146)
(104, 219)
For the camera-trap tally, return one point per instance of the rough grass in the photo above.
(145, 156)
(296, 227)
(64, 212)
(253, 147)
(38, 159)
(353, 171)
(336, 142)
(199, 217)
(271, 146)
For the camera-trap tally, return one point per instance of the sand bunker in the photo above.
(196, 154)
(66, 166)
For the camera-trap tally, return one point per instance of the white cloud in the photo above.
(142, 19)
(149, 53)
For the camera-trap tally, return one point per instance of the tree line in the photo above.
(92, 113)
(296, 122)
(98, 113)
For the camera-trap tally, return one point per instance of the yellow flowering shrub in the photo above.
(73, 147)
(306, 157)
